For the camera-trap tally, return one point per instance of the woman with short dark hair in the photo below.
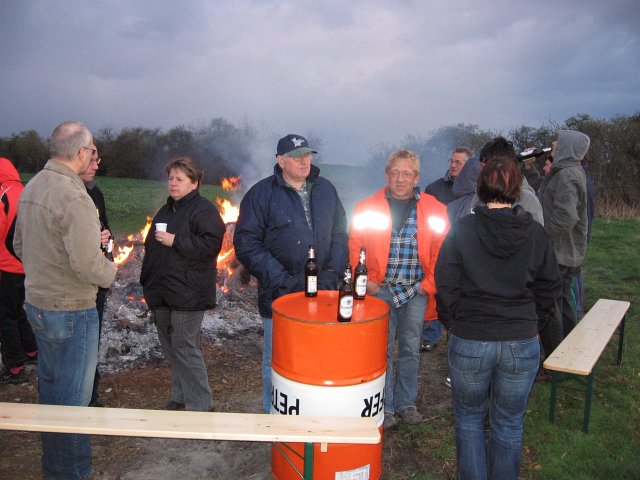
(496, 275)
(179, 281)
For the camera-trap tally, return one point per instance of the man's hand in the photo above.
(104, 237)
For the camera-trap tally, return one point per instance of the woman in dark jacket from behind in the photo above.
(496, 275)
(179, 281)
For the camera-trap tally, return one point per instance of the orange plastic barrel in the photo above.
(322, 367)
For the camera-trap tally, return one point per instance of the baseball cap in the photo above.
(294, 146)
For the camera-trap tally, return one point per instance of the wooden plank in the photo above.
(193, 425)
(580, 350)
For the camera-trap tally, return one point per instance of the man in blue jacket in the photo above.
(280, 216)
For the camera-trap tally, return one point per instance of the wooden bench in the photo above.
(192, 425)
(578, 353)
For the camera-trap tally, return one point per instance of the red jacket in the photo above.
(10, 190)
(371, 228)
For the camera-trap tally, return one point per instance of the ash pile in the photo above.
(129, 337)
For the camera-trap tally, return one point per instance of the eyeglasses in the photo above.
(404, 174)
(96, 160)
(457, 163)
(94, 151)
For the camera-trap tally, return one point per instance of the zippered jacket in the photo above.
(10, 190)
(563, 196)
(58, 240)
(183, 276)
(371, 228)
(272, 237)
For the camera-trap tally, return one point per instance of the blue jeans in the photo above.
(493, 378)
(405, 325)
(432, 331)
(67, 357)
(267, 324)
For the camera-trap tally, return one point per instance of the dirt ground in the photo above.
(234, 374)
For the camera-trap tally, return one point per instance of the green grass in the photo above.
(610, 449)
(130, 201)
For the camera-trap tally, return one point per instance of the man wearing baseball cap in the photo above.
(280, 216)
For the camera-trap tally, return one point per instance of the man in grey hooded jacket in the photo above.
(563, 196)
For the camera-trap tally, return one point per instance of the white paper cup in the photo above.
(161, 227)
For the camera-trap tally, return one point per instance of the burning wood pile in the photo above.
(128, 337)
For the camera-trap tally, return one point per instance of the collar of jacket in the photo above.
(59, 167)
(277, 172)
(448, 178)
(416, 194)
(178, 204)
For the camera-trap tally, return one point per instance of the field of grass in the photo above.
(130, 201)
(551, 451)
(610, 449)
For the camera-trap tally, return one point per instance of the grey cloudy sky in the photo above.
(357, 73)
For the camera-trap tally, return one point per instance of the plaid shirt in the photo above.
(404, 272)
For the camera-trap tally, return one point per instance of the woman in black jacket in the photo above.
(179, 281)
(496, 275)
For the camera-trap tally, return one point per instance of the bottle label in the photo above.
(312, 284)
(361, 285)
(346, 306)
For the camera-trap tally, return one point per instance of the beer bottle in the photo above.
(107, 249)
(533, 152)
(311, 274)
(345, 297)
(360, 277)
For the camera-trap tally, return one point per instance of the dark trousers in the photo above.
(16, 335)
(566, 307)
(100, 299)
(558, 325)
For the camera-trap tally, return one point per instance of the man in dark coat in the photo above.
(442, 189)
(280, 216)
(88, 178)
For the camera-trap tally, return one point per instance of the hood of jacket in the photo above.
(467, 179)
(502, 231)
(571, 148)
(8, 172)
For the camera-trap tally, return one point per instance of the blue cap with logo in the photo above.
(294, 146)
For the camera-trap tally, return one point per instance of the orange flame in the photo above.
(123, 254)
(230, 184)
(143, 232)
(228, 212)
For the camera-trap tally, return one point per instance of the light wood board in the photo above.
(193, 425)
(580, 350)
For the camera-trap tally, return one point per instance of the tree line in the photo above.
(222, 148)
(613, 159)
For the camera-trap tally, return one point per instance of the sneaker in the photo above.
(428, 346)
(7, 377)
(411, 416)
(171, 405)
(390, 421)
(447, 382)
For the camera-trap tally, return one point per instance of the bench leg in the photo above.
(552, 398)
(621, 340)
(308, 461)
(587, 403)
